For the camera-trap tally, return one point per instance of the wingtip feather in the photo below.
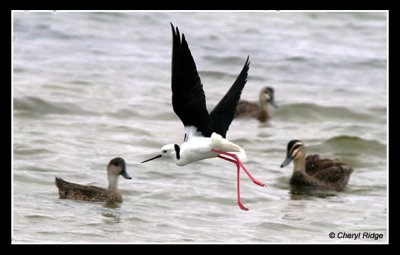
(248, 61)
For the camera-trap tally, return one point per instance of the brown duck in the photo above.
(115, 168)
(258, 111)
(314, 172)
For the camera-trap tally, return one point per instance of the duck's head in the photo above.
(117, 167)
(169, 150)
(267, 95)
(295, 150)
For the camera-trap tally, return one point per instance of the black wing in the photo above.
(188, 99)
(223, 113)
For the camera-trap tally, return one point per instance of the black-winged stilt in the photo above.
(204, 133)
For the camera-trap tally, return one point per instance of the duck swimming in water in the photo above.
(115, 168)
(313, 172)
(260, 111)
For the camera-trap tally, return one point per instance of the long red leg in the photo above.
(240, 204)
(241, 164)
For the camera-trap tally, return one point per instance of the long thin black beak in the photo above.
(158, 156)
(125, 174)
(287, 161)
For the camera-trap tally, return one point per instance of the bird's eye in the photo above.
(164, 151)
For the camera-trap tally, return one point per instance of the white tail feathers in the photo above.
(222, 144)
(242, 155)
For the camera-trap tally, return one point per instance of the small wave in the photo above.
(28, 177)
(372, 62)
(214, 74)
(45, 30)
(19, 70)
(221, 60)
(218, 75)
(306, 112)
(30, 151)
(37, 216)
(124, 113)
(278, 226)
(141, 112)
(382, 111)
(355, 144)
(34, 107)
(81, 82)
(299, 59)
(107, 16)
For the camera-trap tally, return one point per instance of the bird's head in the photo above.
(295, 150)
(267, 95)
(117, 167)
(169, 150)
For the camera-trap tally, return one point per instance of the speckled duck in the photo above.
(115, 168)
(260, 111)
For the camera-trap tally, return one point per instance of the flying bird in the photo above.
(205, 133)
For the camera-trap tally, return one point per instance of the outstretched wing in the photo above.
(223, 113)
(188, 99)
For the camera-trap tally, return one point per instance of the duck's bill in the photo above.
(286, 161)
(125, 174)
(272, 102)
(147, 160)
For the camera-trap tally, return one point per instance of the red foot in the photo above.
(242, 206)
(259, 183)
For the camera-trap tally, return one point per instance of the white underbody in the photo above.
(199, 147)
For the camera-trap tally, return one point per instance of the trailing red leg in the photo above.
(241, 164)
(240, 204)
